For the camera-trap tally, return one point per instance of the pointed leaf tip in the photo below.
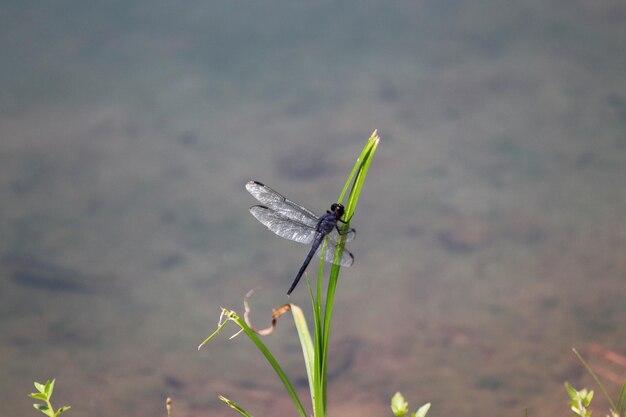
(421, 412)
(398, 405)
(49, 388)
(39, 387)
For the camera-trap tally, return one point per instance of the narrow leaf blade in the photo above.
(307, 346)
(235, 406)
(621, 402)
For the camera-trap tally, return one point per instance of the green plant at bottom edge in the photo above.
(44, 394)
(581, 399)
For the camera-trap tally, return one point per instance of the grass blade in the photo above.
(621, 402)
(235, 406)
(308, 351)
(595, 378)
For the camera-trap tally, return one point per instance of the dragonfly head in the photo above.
(336, 209)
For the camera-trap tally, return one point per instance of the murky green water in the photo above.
(491, 232)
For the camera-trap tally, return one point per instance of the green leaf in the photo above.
(44, 409)
(307, 347)
(61, 410)
(38, 396)
(39, 387)
(49, 387)
(398, 405)
(573, 394)
(421, 412)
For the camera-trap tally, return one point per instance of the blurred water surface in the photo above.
(491, 231)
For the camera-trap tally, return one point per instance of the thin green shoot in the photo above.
(595, 378)
(234, 406)
(621, 402)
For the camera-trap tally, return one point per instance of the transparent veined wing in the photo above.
(283, 226)
(349, 234)
(277, 202)
(347, 258)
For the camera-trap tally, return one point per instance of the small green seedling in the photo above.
(44, 394)
(400, 407)
(580, 400)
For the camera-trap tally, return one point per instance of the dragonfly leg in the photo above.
(343, 232)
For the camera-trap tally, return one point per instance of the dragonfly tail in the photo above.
(314, 247)
(295, 282)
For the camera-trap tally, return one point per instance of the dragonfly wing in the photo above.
(349, 234)
(347, 258)
(282, 226)
(277, 202)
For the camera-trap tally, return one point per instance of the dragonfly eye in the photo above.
(337, 209)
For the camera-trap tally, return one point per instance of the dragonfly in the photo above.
(294, 222)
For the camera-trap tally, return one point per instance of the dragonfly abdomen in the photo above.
(316, 243)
